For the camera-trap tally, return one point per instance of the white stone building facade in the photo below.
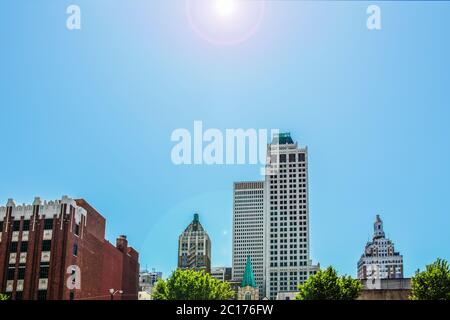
(287, 246)
(380, 260)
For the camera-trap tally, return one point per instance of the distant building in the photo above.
(194, 248)
(147, 280)
(144, 295)
(380, 260)
(248, 289)
(248, 229)
(286, 220)
(221, 273)
(57, 250)
(287, 295)
(387, 289)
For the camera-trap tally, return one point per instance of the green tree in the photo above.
(433, 283)
(192, 285)
(327, 285)
(3, 297)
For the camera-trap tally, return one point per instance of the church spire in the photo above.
(248, 279)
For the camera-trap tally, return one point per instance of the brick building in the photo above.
(57, 250)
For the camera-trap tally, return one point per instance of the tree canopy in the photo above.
(327, 285)
(192, 285)
(3, 297)
(433, 283)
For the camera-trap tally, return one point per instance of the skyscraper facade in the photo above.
(194, 247)
(248, 229)
(380, 260)
(286, 219)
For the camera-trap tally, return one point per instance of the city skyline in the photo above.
(196, 218)
(90, 113)
(262, 187)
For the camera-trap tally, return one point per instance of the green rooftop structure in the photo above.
(282, 138)
(195, 225)
(248, 279)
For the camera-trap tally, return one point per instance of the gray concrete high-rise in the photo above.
(248, 229)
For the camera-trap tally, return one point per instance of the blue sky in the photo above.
(89, 113)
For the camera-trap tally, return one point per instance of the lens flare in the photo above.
(225, 22)
(225, 8)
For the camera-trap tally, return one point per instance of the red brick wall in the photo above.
(95, 223)
(102, 265)
(4, 251)
(130, 277)
(112, 269)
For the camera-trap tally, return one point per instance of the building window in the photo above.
(43, 272)
(26, 225)
(11, 273)
(19, 295)
(16, 225)
(42, 295)
(77, 229)
(21, 274)
(72, 295)
(48, 224)
(13, 247)
(46, 245)
(75, 249)
(24, 246)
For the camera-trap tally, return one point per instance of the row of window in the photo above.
(46, 246)
(293, 157)
(248, 192)
(14, 245)
(285, 264)
(48, 225)
(292, 246)
(285, 273)
(291, 217)
(292, 223)
(11, 273)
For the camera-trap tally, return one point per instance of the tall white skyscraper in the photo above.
(248, 229)
(286, 219)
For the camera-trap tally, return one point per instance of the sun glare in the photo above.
(225, 8)
(225, 22)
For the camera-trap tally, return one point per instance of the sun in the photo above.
(225, 22)
(225, 8)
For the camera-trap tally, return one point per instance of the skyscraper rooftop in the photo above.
(282, 138)
(195, 225)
